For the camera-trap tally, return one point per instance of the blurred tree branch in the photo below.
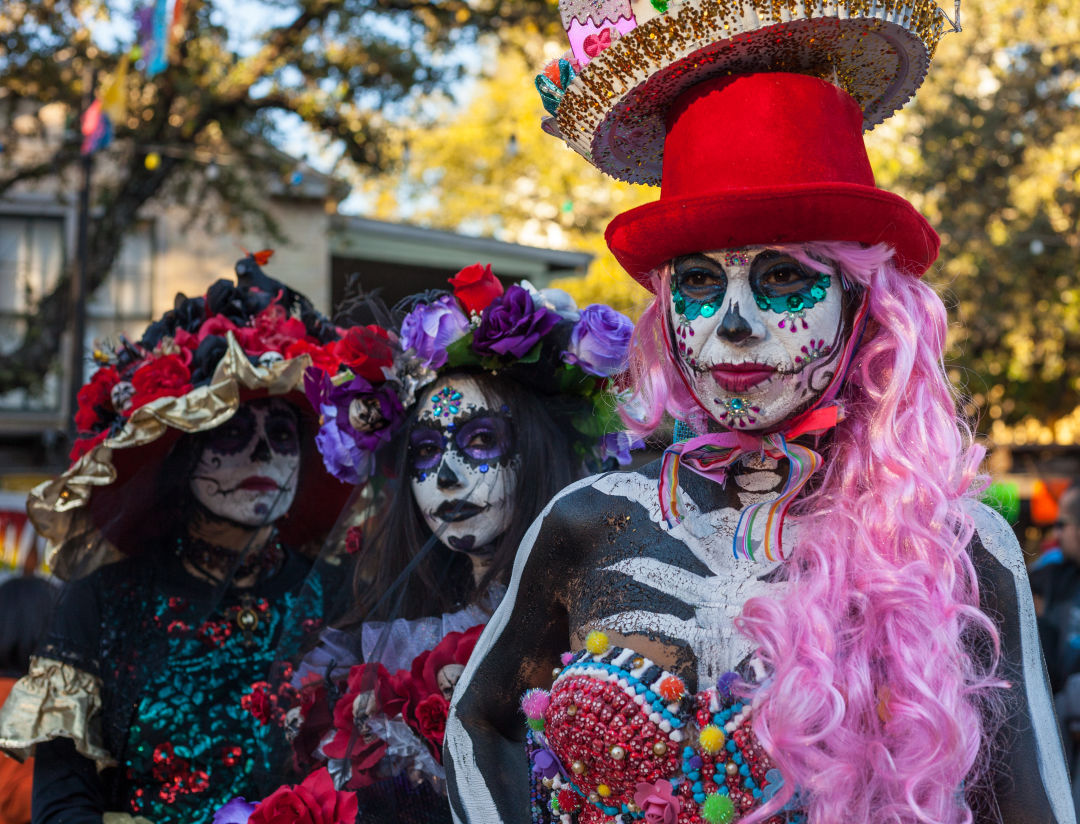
(338, 65)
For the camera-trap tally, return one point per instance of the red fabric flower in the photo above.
(160, 378)
(431, 720)
(323, 357)
(315, 801)
(216, 325)
(475, 287)
(272, 330)
(364, 694)
(365, 350)
(95, 403)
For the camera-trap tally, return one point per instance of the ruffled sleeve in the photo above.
(54, 700)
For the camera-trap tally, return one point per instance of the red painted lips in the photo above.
(259, 483)
(738, 377)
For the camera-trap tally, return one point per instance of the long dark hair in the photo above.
(26, 605)
(443, 580)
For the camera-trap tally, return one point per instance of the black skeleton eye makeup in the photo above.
(233, 435)
(283, 431)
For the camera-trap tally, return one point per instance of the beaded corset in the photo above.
(618, 738)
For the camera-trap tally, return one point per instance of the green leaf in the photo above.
(460, 353)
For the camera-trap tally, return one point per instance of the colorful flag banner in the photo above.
(96, 129)
(158, 50)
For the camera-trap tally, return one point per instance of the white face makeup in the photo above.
(248, 468)
(464, 465)
(756, 332)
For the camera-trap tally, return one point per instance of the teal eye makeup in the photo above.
(783, 285)
(698, 287)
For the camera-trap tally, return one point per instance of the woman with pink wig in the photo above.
(801, 613)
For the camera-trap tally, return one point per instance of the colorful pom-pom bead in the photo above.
(717, 809)
(596, 642)
(672, 688)
(534, 704)
(536, 724)
(569, 801)
(711, 739)
(603, 790)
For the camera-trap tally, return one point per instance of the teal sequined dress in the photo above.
(191, 693)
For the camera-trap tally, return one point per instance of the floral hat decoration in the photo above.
(538, 337)
(188, 373)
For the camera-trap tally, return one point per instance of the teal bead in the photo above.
(708, 310)
(795, 302)
(736, 404)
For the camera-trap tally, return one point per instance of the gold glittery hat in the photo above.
(630, 59)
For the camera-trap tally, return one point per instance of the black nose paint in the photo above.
(733, 326)
(261, 451)
(446, 478)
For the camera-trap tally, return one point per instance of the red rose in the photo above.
(217, 325)
(95, 400)
(475, 287)
(160, 378)
(321, 356)
(454, 649)
(259, 703)
(431, 721)
(315, 801)
(365, 350)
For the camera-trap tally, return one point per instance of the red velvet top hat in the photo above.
(766, 158)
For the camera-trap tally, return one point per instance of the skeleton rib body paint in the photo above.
(755, 332)
(248, 467)
(464, 465)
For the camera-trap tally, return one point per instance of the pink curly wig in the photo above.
(882, 695)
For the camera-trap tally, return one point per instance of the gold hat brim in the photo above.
(614, 111)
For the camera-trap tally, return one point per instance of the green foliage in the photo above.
(989, 152)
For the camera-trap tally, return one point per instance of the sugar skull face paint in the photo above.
(464, 465)
(248, 466)
(756, 332)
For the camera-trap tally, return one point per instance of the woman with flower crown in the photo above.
(496, 400)
(801, 613)
(179, 528)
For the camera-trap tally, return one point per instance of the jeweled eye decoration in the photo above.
(445, 403)
(789, 289)
(697, 291)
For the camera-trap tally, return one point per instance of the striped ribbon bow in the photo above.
(710, 456)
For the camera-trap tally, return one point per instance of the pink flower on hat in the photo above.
(658, 802)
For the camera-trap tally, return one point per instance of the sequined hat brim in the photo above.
(613, 112)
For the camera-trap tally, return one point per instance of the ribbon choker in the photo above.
(711, 456)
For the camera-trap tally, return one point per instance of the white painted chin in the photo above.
(762, 406)
(473, 534)
(246, 507)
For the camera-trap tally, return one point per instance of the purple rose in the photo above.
(512, 324)
(600, 341)
(357, 418)
(236, 811)
(430, 328)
